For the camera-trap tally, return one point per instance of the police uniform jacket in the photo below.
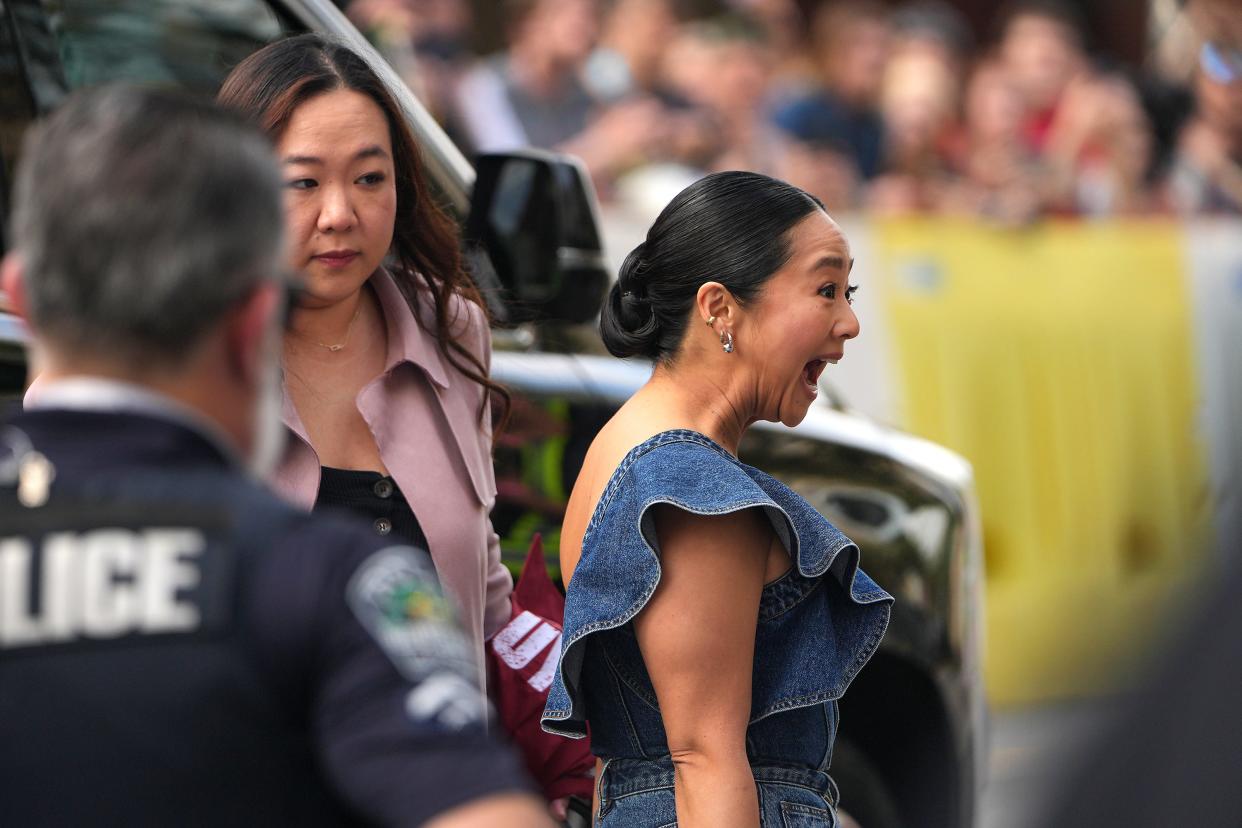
(179, 647)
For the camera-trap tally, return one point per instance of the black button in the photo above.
(383, 488)
(382, 526)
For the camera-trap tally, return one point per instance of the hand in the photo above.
(1203, 148)
(621, 136)
(559, 809)
(1079, 115)
(629, 128)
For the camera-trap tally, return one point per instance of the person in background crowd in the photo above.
(934, 26)
(784, 27)
(733, 84)
(723, 65)
(534, 94)
(1207, 172)
(1042, 49)
(850, 42)
(628, 66)
(1102, 154)
(875, 116)
(630, 52)
(918, 105)
(999, 177)
(825, 170)
(387, 351)
(425, 41)
(919, 102)
(1090, 131)
(199, 652)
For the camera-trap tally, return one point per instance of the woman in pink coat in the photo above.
(387, 350)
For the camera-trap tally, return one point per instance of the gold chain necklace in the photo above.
(348, 330)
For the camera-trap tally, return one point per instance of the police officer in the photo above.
(177, 647)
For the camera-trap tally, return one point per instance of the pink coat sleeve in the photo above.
(497, 608)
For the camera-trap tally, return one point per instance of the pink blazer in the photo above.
(423, 414)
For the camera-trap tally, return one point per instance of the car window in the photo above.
(51, 47)
(187, 43)
(16, 112)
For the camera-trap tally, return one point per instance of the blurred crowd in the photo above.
(890, 108)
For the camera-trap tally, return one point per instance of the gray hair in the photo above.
(142, 216)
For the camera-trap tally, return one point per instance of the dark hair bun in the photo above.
(728, 227)
(628, 323)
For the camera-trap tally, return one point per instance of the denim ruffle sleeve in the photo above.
(619, 569)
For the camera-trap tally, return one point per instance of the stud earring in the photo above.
(711, 320)
(726, 342)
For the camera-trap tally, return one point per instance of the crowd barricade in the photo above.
(1092, 374)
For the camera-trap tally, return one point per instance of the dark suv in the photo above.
(912, 725)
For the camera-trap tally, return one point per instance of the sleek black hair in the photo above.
(729, 227)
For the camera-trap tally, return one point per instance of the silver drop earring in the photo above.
(726, 342)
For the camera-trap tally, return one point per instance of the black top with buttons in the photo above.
(373, 496)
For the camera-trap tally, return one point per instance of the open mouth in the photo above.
(812, 370)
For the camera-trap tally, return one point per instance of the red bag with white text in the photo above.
(521, 662)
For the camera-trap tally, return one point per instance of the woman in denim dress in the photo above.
(713, 617)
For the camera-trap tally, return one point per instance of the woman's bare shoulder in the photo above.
(610, 446)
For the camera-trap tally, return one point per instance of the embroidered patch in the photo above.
(397, 598)
(448, 699)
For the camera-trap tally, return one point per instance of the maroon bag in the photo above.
(521, 662)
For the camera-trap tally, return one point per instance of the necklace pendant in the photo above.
(348, 329)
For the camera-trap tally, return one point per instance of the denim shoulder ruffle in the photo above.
(619, 567)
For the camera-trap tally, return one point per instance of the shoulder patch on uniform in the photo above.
(396, 596)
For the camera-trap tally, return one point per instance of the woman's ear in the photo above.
(252, 331)
(13, 284)
(715, 303)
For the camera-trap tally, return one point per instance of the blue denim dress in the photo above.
(818, 625)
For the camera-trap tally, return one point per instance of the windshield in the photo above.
(187, 43)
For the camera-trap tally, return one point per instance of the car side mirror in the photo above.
(534, 213)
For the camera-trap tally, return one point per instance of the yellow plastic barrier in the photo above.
(1058, 360)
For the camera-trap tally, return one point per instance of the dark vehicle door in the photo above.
(48, 48)
(17, 111)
